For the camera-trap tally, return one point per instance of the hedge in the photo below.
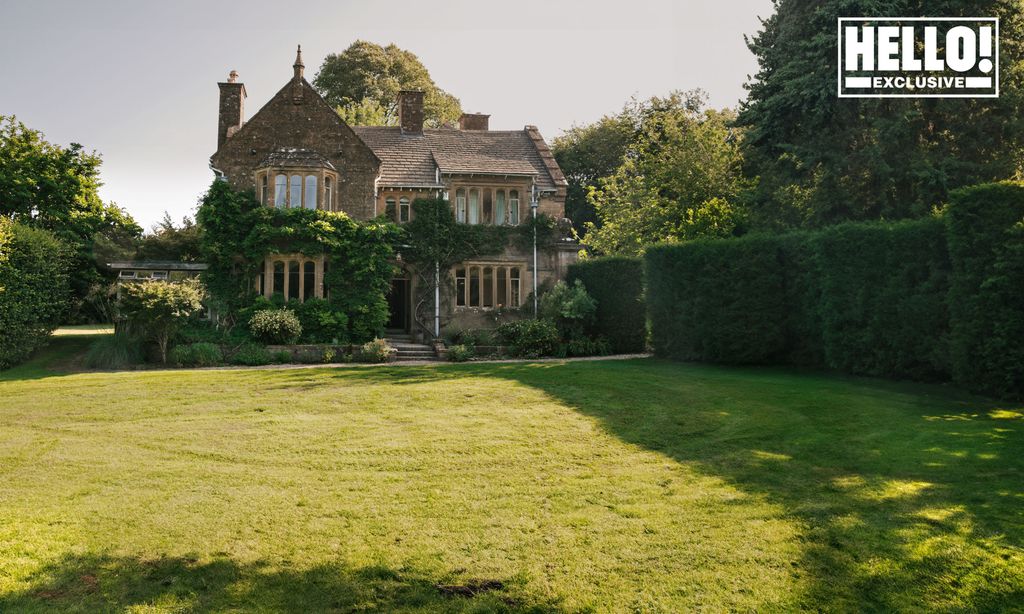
(935, 298)
(986, 243)
(617, 284)
(34, 289)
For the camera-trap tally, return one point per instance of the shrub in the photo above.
(114, 352)
(181, 355)
(377, 350)
(570, 308)
(320, 322)
(459, 353)
(586, 346)
(251, 354)
(201, 354)
(281, 357)
(158, 309)
(986, 245)
(275, 326)
(34, 289)
(530, 338)
(616, 283)
(328, 355)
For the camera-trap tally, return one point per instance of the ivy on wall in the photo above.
(433, 236)
(238, 234)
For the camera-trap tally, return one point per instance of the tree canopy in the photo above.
(822, 159)
(680, 178)
(55, 188)
(363, 82)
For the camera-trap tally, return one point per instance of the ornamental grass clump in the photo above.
(275, 326)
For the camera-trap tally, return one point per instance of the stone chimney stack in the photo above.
(410, 111)
(232, 108)
(474, 121)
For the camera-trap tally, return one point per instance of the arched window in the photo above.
(513, 207)
(280, 191)
(389, 209)
(308, 280)
(403, 210)
(473, 215)
(278, 287)
(293, 280)
(263, 190)
(328, 195)
(500, 215)
(295, 191)
(460, 205)
(310, 199)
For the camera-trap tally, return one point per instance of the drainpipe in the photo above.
(533, 209)
(437, 299)
(220, 174)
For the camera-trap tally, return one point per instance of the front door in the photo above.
(398, 305)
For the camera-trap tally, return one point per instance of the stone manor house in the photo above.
(297, 152)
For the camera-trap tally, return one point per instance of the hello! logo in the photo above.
(918, 57)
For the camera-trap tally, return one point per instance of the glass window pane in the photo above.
(460, 287)
(295, 196)
(460, 205)
(474, 286)
(280, 191)
(310, 198)
(513, 207)
(328, 195)
(488, 207)
(389, 209)
(474, 206)
(278, 278)
(488, 287)
(403, 209)
(308, 280)
(500, 216)
(502, 299)
(513, 295)
(293, 280)
(263, 190)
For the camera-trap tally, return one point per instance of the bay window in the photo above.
(280, 191)
(309, 201)
(295, 194)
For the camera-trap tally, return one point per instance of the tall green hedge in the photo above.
(926, 299)
(616, 283)
(34, 289)
(986, 242)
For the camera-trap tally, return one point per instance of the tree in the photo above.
(169, 242)
(55, 188)
(33, 289)
(587, 154)
(680, 178)
(821, 159)
(158, 308)
(363, 82)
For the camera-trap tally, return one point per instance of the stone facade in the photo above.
(296, 151)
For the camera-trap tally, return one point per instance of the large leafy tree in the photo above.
(363, 82)
(169, 242)
(821, 159)
(680, 178)
(55, 188)
(587, 154)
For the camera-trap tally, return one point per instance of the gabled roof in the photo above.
(412, 160)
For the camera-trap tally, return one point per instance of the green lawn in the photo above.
(607, 486)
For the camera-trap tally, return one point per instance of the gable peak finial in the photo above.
(298, 66)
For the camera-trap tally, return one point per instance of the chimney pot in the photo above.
(410, 111)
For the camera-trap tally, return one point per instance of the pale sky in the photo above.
(137, 80)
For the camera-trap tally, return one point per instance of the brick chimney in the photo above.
(232, 108)
(474, 121)
(410, 111)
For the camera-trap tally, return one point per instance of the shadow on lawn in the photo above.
(912, 496)
(105, 583)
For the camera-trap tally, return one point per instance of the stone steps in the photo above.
(409, 350)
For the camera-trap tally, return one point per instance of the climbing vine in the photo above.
(433, 236)
(238, 234)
